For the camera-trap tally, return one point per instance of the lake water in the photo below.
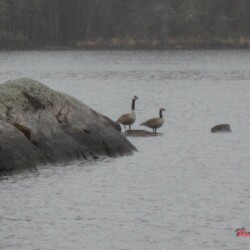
(187, 189)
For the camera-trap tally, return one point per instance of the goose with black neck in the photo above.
(155, 123)
(129, 118)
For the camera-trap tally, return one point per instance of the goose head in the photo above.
(160, 112)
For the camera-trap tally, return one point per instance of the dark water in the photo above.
(187, 189)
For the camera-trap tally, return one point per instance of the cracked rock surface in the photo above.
(41, 126)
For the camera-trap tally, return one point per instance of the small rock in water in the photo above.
(221, 128)
(140, 133)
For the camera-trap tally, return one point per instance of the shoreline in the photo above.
(132, 44)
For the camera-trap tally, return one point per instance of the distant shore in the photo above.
(135, 44)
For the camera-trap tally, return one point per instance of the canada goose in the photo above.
(129, 118)
(155, 123)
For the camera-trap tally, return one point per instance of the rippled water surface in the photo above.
(188, 189)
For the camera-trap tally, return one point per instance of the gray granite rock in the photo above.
(41, 126)
(221, 128)
(140, 133)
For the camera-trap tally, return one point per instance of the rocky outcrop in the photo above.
(42, 126)
(221, 128)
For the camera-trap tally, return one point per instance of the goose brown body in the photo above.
(127, 119)
(155, 123)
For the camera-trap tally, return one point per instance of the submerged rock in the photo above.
(42, 126)
(140, 133)
(221, 128)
